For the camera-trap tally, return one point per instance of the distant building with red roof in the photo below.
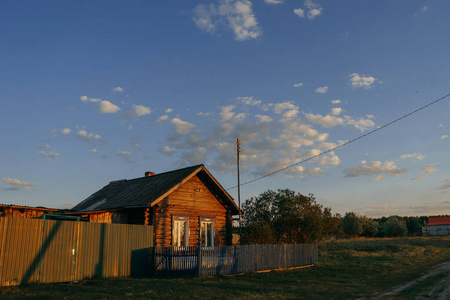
(439, 225)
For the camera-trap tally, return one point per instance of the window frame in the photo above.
(212, 234)
(181, 219)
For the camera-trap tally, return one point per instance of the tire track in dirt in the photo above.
(440, 291)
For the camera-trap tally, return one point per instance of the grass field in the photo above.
(349, 269)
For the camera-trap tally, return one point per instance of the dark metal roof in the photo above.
(147, 191)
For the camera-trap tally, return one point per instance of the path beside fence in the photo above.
(232, 259)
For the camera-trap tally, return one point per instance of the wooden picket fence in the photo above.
(231, 259)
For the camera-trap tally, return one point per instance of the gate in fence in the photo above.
(231, 259)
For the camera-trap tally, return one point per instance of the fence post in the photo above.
(199, 260)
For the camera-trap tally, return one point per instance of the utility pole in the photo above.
(238, 148)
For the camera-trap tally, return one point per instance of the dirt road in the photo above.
(440, 291)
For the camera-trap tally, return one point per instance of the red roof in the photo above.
(439, 221)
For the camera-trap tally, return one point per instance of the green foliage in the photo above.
(285, 217)
(394, 227)
(352, 224)
(414, 225)
(370, 227)
(331, 224)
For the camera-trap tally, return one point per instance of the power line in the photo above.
(342, 145)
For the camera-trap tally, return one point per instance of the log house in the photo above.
(186, 207)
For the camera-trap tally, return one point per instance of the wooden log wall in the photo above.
(194, 199)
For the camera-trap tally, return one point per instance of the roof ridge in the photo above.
(164, 173)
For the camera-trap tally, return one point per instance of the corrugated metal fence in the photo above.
(63, 251)
(232, 259)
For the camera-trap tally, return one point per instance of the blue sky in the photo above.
(95, 91)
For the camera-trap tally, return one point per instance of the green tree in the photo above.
(352, 224)
(414, 225)
(282, 217)
(331, 223)
(395, 227)
(370, 227)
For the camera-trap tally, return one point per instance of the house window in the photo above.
(180, 231)
(207, 232)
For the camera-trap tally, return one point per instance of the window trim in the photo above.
(181, 218)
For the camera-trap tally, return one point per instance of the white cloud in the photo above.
(331, 159)
(263, 118)
(86, 99)
(227, 112)
(107, 107)
(137, 111)
(361, 81)
(280, 107)
(290, 113)
(335, 101)
(234, 14)
(182, 127)
(426, 170)
(273, 1)
(65, 131)
(375, 168)
(249, 101)
(93, 151)
(361, 124)
(51, 154)
(424, 9)
(336, 111)
(413, 155)
(167, 150)
(378, 178)
(169, 110)
(118, 89)
(322, 89)
(196, 157)
(18, 184)
(299, 12)
(325, 121)
(276, 137)
(163, 118)
(314, 13)
(298, 84)
(90, 138)
(444, 136)
(314, 9)
(126, 154)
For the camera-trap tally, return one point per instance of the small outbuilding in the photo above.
(438, 226)
(186, 207)
(25, 212)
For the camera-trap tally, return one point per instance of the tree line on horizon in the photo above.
(284, 216)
